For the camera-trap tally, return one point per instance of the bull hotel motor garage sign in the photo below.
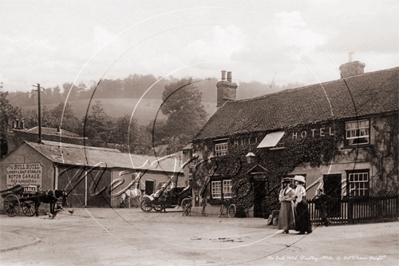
(24, 174)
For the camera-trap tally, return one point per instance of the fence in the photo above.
(353, 210)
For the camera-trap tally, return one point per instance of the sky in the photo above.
(53, 42)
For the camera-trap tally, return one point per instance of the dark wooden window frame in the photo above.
(221, 199)
(358, 144)
(348, 182)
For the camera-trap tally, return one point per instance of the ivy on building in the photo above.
(384, 156)
(313, 151)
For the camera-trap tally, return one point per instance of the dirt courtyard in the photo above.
(132, 237)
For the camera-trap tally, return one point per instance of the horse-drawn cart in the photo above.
(19, 197)
(28, 199)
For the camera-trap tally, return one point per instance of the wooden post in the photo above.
(39, 113)
(85, 189)
(350, 211)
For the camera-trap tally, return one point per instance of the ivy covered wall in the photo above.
(310, 146)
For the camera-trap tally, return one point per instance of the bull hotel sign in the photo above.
(24, 174)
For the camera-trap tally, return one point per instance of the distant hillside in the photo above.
(145, 112)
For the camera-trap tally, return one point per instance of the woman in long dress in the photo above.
(286, 218)
(302, 218)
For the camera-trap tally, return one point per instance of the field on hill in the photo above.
(145, 112)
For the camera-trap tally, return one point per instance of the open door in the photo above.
(149, 187)
(332, 187)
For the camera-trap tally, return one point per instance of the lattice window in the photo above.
(227, 189)
(220, 149)
(358, 183)
(358, 132)
(216, 189)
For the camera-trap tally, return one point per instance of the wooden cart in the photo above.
(19, 198)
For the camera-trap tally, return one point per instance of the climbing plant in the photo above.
(304, 149)
(384, 156)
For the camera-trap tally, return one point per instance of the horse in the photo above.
(51, 197)
(131, 194)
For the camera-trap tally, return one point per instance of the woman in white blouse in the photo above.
(286, 218)
(302, 219)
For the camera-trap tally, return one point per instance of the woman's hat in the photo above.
(286, 180)
(300, 178)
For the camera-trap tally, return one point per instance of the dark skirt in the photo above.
(286, 218)
(302, 219)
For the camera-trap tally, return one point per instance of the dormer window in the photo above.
(221, 149)
(358, 132)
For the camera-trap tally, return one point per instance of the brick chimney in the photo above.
(352, 68)
(226, 90)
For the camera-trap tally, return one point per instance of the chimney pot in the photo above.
(223, 74)
(226, 91)
(229, 76)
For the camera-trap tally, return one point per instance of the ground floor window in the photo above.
(358, 183)
(221, 189)
(227, 189)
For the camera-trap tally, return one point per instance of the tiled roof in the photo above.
(52, 131)
(366, 94)
(71, 154)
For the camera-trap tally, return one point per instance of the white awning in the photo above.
(271, 140)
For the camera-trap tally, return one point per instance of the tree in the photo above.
(63, 116)
(184, 110)
(157, 132)
(72, 90)
(130, 136)
(7, 112)
(98, 126)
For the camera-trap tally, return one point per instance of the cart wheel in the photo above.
(28, 208)
(11, 204)
(146, 205)
(186, 206)
(232, 210)
(157, 208)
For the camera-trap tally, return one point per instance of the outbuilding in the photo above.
(88, 174)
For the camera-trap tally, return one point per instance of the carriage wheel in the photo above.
(232, 210)
(186, 206)
(146, 205)
(11, 204)
(157, 208)
(28, 208)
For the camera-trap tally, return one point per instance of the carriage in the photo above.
(28, 199)
(178, 196)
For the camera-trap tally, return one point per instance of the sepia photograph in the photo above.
(199, 132)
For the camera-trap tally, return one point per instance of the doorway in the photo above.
(149, 187)
(332, 187)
